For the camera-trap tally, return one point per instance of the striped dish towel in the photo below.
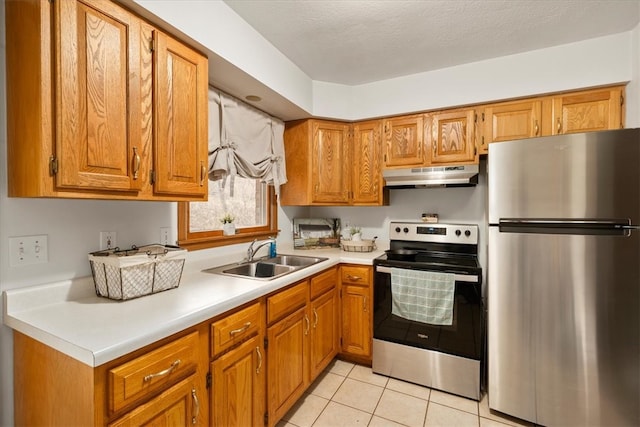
(422, 296)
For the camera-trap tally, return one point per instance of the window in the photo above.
(253, 205)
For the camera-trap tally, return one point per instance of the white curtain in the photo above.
(244, 141)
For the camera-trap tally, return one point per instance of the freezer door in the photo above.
(564, 327)
(588, 175)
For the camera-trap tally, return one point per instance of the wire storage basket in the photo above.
(132, 273)
(358, 245)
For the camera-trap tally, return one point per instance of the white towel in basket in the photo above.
(423, 296)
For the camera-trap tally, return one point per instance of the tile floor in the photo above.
(352, 395)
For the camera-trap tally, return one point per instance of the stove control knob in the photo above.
(397, 229)
(467, 233)
(458, 233)
(406, 230)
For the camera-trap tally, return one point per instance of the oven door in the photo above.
(463, 338)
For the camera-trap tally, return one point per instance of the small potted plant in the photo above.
(356, 236)
(228, 227)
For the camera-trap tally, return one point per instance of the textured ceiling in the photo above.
(357, 41)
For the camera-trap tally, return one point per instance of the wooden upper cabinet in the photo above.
(403, 141)
(180, 161)
(366, 174)
(107, 105)
(318, 163)
(509, 121)
(330, 163)
(588, 111)
(97, 135)
(450, 137)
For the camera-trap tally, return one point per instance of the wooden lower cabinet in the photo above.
(324, 331)
(238, 386)
(288, 366)
(357, 316)
(177, 406)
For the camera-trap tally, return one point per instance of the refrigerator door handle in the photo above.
(619, 227)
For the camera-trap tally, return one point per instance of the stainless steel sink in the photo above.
(266, 268)
(294, 260)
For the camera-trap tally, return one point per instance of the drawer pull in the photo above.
(350, 277)
(167, 371)
(196, 405)
(259, 360)
(240, 330)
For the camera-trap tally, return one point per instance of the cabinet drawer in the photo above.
(323, 282)
(235, 328)
(287, 301)
(151, 372)
(357, 275)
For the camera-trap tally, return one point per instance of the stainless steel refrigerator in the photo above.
(564, 279)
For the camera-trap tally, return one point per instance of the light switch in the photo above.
(27, 250)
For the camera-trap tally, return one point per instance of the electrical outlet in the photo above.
(108, 240)
(27, 250)
(165, 235)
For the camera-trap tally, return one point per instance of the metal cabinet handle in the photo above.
(559, 127)
(203, 173)
(167, 371)
(364, 304)
(355, 278)
(306, 319)
(536, 129)
(196, 404)
(259, 360)
(136, 162)
(240, 330)
(315, 317)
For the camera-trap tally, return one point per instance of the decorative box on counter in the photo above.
(132, 273)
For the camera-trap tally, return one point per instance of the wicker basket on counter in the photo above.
(358, 245)
(132, 273)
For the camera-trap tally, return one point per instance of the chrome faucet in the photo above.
(252, 251)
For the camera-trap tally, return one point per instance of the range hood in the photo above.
(439, 176)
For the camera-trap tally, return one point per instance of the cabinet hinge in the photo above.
(266, 343)
(53, 165)
(266, 419)
(209, 379)
(152, 177)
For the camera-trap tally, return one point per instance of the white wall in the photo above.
(73, 226)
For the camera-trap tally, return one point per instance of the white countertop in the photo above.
(69, 317)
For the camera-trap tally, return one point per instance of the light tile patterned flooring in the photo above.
(352, 395)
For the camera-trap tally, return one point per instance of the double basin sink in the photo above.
(267, 268)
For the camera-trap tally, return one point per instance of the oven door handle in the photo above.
(457, 277)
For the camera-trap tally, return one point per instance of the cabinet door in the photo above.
(239, 386)
(98, 127)
(403, 141)
(587, 111)
(330, 177)
(366, 174)
(356, 320)
(180, 161)
(324, 331)
(451, 137)
(288, 369)
(177, 406)
(510, 121)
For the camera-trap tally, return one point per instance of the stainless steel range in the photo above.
(429, 322)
